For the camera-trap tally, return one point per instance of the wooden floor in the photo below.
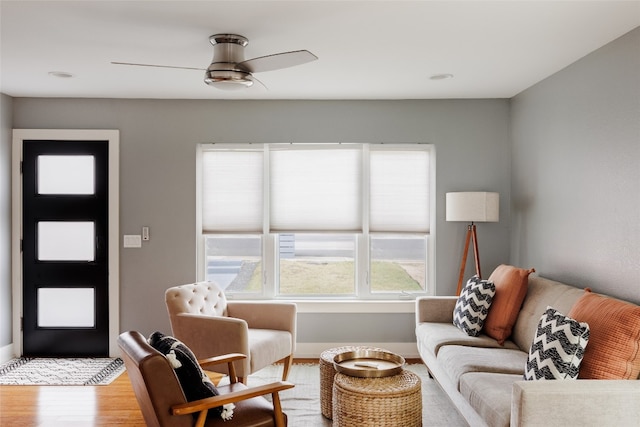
(71, 406)
(75, 406)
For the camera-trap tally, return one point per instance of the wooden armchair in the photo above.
(203, 319)
(163, 402)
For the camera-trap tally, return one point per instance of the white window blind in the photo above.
(232, 188)
(399, 191)
(316, 189)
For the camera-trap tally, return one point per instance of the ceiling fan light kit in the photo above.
(227, 79)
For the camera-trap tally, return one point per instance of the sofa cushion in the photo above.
(541, 292)
(473, 305)
(614, 345)
(459, 360)
(433, 336)
(558, 347)
(490, 395)
(267, 345)
(511, 288)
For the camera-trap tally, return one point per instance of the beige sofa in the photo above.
(485, 380)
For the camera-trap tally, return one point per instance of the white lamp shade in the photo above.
(475, 206)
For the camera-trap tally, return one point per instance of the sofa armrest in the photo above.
(575, 402)
(435, 309)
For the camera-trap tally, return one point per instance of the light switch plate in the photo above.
(132, 241)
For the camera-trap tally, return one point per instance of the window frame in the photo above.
(362, 239)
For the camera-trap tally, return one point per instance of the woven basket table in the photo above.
(377, 402)
(327, 372)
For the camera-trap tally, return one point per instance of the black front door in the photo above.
(65, 248)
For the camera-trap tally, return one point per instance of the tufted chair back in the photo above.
(203, 319)
(196, 298)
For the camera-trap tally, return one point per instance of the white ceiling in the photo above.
(366, 49)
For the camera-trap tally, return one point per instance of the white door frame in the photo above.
(113, 138)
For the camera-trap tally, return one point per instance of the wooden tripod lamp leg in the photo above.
(476, 253)
(471, 235)
(464, 260)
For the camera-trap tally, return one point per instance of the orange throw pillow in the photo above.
(613, 351)
(511, 288)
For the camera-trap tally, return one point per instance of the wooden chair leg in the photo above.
(202, 417)
(288, 361)
(277, 410)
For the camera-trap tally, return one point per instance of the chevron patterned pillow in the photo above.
(558, 347)
(473, 305)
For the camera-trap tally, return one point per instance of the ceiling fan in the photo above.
(229, 70)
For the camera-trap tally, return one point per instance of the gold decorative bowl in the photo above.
(368, 363)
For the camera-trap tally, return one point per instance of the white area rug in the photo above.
(53, 371)
(302, 403)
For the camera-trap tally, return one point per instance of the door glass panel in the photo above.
(66, 175)
(66, 241)
(66, 307)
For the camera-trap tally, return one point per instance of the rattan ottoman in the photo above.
(377, 402)
(327, 372)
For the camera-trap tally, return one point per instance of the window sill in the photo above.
(333, 306)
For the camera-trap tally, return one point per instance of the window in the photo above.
(315, 189)
(398, 263)
(316, 264)
(316, 220)
(235, 262)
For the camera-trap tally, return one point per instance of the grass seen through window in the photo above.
(306, 277)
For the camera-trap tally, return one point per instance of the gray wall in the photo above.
(157, 177)
(571, 161)
(6, 107)
(576, 172)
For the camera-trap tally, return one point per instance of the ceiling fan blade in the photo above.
(277, 61)
(262, 86)
(157, 66)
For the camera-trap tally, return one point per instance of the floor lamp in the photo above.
(472, 207)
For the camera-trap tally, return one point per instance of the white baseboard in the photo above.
(6, 353)
(408, 350)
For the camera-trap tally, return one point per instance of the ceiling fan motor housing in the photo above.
(223, 72)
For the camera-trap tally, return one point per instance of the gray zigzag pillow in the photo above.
(473, 305)
(558, 347)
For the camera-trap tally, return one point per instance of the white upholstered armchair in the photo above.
(206, 322)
